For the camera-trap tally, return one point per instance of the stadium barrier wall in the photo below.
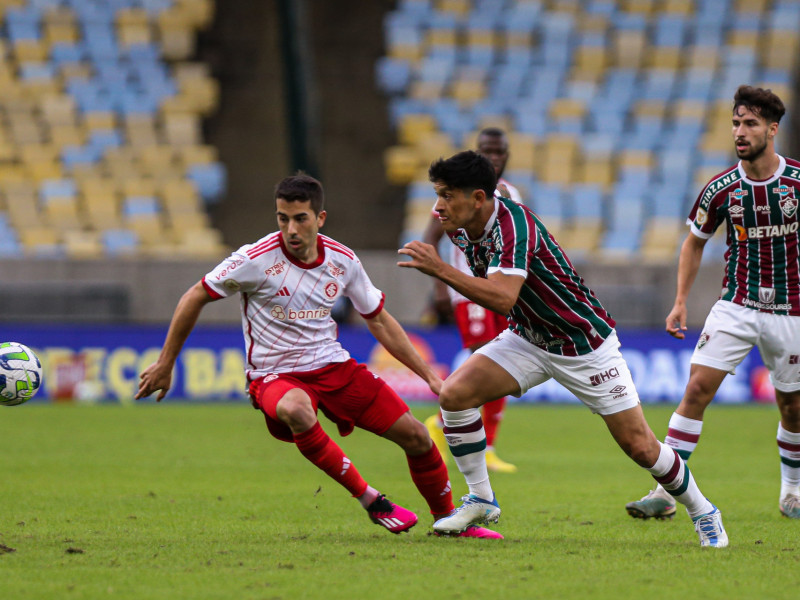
(139, 290)
(97, 363)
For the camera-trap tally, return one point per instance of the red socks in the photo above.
(492, 414)
(429, 474)
(321, 450)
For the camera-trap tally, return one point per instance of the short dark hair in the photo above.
(492, 132)
(465, 171)
(762, 102)
(302, 188)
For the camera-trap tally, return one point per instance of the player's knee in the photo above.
(699, 394)
(453, 397)
(418, 440)
(296, 411)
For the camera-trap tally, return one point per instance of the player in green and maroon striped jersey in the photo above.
(557, 329)
(760, 302)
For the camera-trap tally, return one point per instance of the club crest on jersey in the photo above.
(788, 206)
(702, 216)
(232, 285)
(332, 289)
(276, 269)
(334, 270)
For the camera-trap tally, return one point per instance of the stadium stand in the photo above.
(618, 110)
(101, 148)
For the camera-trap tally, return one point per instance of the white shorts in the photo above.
(600, 379)
(731, 331)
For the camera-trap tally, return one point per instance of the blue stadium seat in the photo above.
(210, 179)
(119, 241)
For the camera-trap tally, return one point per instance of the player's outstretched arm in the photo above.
(158, 376)
(499, 292)
(393, 337)
(688, 265)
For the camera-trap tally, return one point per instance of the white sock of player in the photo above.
(464, 433)
(683, 434)
(789, 451)
(674, 475)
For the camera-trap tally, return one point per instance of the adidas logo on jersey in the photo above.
(284, 291)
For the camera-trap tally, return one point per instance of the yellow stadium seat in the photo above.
(629, 48)
(58, 109)
(468, 91)
(666, 57)
(402, 164)
(28, 50)
(680, 7)
(129, 35)
(458, 7)
(635, 159)
(201, 154)
(413, 127)
(599, 171)
(62, 213)
(182, 129)
(176, 37)
(99, 120)
(155, 160)
(522, 152)
(61, 33)
(83, 245)
(645, 7)
(67, 135)
(34, 238)
(591, 58)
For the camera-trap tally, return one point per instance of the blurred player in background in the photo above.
(476, 325)
(288, 282)
(557, 329)
(760, 301)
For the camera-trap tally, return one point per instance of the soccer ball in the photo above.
(20, 373)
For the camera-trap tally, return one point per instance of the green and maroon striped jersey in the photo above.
(555, 309)
(763, 255)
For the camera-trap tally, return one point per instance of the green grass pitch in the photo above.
(197, 501)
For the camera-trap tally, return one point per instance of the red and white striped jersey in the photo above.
(456, 257)
(286, 304)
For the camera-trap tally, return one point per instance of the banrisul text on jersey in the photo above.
(555, 310)
(763, 256)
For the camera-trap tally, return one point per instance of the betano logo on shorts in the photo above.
(290, 314)
(765, 231)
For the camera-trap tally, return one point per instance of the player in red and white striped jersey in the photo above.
(760, 301)
(288, 283)
(476, 325)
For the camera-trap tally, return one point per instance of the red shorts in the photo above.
(477, 325)
(348, 394)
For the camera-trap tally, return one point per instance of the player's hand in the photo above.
(503, 190)
(435, 383)
(676, 321)
(154, 378)
(423, 257)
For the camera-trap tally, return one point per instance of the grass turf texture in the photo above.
(184, 501)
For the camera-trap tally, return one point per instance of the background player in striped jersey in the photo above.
(760, 301)
(476, 325)
(557, 329)
(288, 283)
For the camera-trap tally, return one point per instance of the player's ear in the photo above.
(321, 218)
(478, 196)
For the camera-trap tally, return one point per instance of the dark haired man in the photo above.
(476, 325)
(760, 301)
(557, 329)
(288, 282)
